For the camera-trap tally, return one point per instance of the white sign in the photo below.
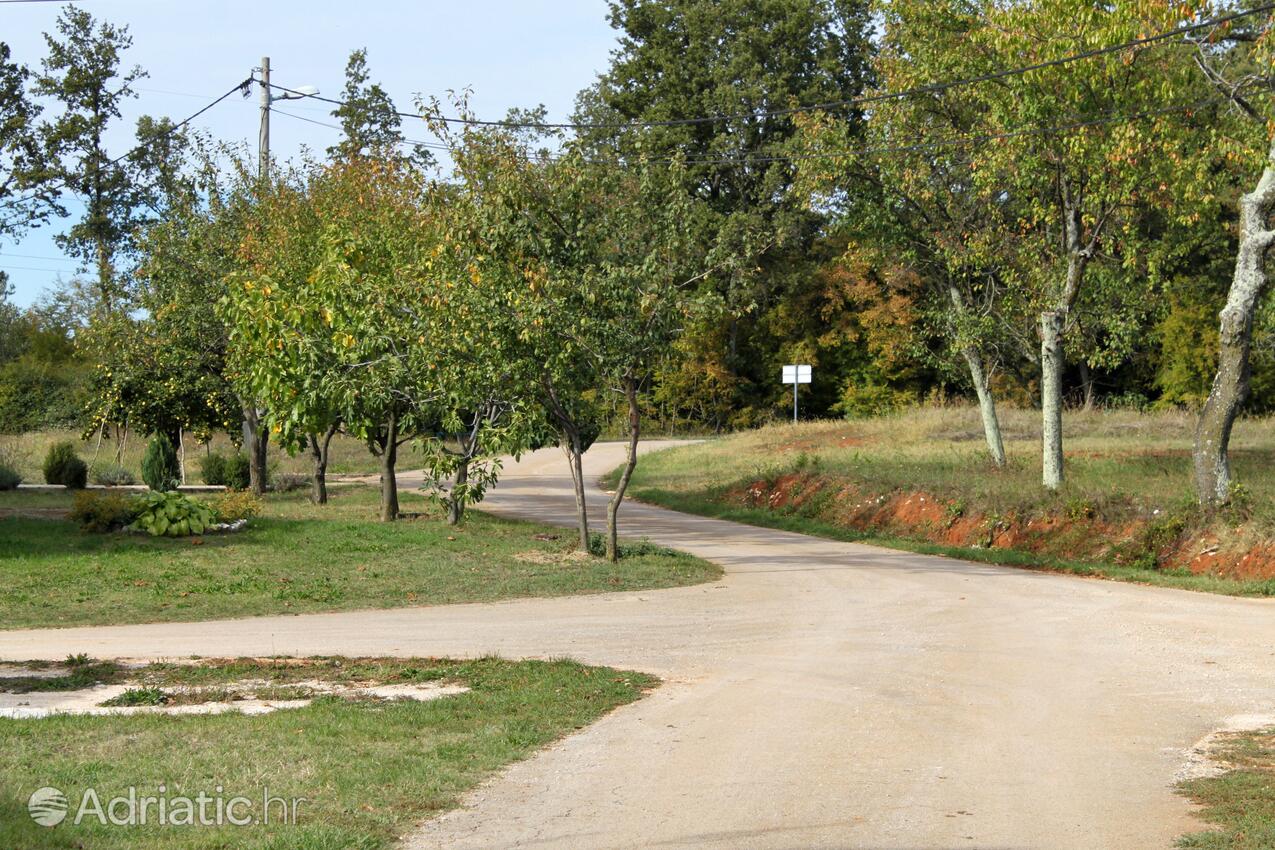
(797, 374)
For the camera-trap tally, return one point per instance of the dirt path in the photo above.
(821, 695)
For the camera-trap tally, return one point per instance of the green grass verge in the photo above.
(298, 558)
(368, 770)
(1241, 802)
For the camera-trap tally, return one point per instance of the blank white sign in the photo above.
(797, 374)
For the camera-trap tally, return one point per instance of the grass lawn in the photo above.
(297, 558)
(368, 770)
(1239, 804)
(1123, 467)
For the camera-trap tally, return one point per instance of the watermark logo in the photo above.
(47, 806)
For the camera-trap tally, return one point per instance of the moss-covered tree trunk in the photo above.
(1231, 383)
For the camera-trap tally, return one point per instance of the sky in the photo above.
(509, 52)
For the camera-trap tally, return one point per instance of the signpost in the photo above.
(796, 374)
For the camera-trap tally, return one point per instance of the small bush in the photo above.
(160, 469)
(238, 476)
(212, 468)
(102, 512)
(113, 476)
(172, 515)
(10, 463)
(286, 482)
(63, 466)
(138, 696)
(234, 506)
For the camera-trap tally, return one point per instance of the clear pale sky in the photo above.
(510, 52)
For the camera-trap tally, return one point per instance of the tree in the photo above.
(371, 124)
(335, 304)
(26, 196)
(1235, 60)
(1078, 191)
(736, 59)
(918, 206)
(82, 72)
(164, 367)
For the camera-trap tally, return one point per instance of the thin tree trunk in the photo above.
(255, 442)
(986, 406)
(181, 453)
(1086, 384)
(456, 503)
(982, 388)
(1051, 367)
(319, 447)
(572, 447)
(389, 484)
(1231, 383)
(630, 463)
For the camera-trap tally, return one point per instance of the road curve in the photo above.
(820, 695)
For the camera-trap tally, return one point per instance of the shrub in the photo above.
(234, 506)
(172, 515)
(102, 512)
(63, 466)
(10, 478)
(230, 471)
(113, 476)
(160, 469)
(212, 468)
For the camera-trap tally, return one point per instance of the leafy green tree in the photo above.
(26, 196)
(1078, 192)
(164, 367)
(1235, 59)
(371, 124)
(735, 59)
(82, 72)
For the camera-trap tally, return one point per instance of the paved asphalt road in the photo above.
(821, 695)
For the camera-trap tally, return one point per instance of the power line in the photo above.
(931, 88)
(169, 131)
(331, 126)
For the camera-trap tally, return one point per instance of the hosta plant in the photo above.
(171, 514)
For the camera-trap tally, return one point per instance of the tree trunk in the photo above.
(986, 402)
(456, 503)
(181, 453)
(1086, 383)
(1231, 383)
(574, 460)
(255, 443)
(389, 484)
(572, 446)
(613, 507)
(1051, 367)
(986, 405)
(319, 447)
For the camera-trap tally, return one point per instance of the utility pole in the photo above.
(263, 141)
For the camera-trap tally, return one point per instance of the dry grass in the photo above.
(1117, 461)
(348, 454)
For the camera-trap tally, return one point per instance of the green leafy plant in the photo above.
(234, 506)
(102, 512)
(113, 476)
(160, 469)
(172, 515)
(63, 466)
(138, 696)
(238, 475)
(212, 468)
(10, 478)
